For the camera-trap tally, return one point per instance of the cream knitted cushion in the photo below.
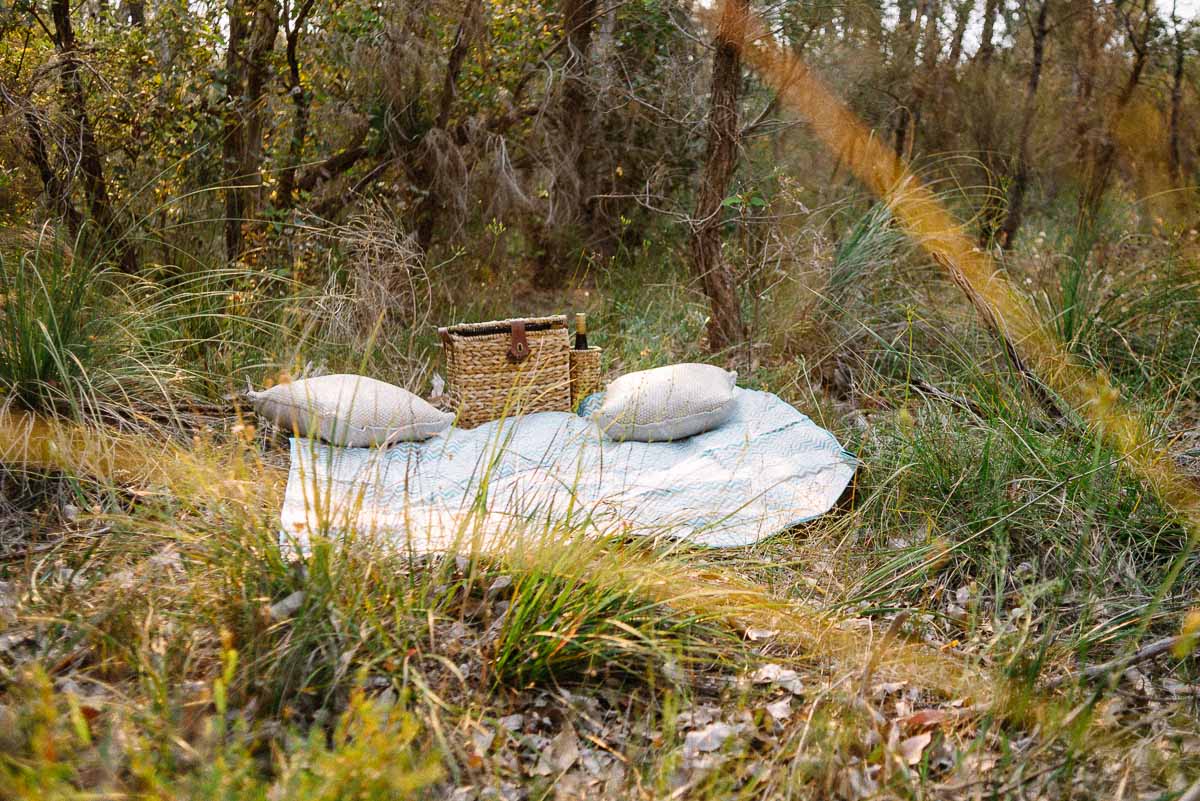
(666, 403)
(349, 410)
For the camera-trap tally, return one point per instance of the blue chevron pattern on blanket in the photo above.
(768, 468)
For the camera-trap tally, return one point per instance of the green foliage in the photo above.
(373, 754)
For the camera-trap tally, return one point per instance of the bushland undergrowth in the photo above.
(158, 644)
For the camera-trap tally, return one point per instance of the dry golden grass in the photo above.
(201, 471)
(206, 473)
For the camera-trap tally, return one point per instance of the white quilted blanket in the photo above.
(767, 468)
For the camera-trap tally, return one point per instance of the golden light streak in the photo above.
(927, 222)
(233, 478)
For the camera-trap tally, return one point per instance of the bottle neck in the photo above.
(581, 332)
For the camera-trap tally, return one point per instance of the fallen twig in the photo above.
(930, 391)
(1143, 654)
(42, 547)
(1192, 793)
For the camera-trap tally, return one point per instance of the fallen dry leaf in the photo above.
(912, 748)
(709, 738)
(697, 716)
(780, 676)
(923, 718)
(757, 635)
(282, 610)
(888, 688)
(781, 710)
(561, 755)
(482, 738)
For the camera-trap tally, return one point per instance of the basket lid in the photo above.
(505, 326)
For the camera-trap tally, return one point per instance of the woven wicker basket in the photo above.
(507, 367)
(585, 374)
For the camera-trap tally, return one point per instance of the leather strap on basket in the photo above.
(518, 346)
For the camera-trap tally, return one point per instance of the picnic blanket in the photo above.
(767, 468)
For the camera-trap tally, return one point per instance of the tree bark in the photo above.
(569, 135)
(335, 165)
(987, 47)
(725, 327)
(576, 109)
(431, 205)
(91, 164)
(1020, 178)
(252, 30)
(931, 43)
(927, 72)
(1174, 156)
(1100, 170)
(904, 129)
(1089, 38)
(286, 192)
(58, 194)
(231, 143)
(962, 16)
(874, 25)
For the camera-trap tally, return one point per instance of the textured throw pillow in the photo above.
(350, 410)
(666, 403)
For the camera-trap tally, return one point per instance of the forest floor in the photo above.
(928, 639)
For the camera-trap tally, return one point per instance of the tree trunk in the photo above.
(431, 204)
(725, 328)
(252, 32)
(907, 12)
(906, 114)
(1089, 40)
(58, 194)
(231, 142)
(1020, 178)
(1174, 157)
(91, 165)
(962, 16)
(927, 72)
(577, 98)
(569, 138)
(1101, 167)
(987, 48)
(286, 193)
(874, 26)
(931, 43)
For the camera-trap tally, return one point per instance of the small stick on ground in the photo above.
(1192, 793)
(1143, 654)
(930, 391)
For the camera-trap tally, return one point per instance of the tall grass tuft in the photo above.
(70, 332)
(49, 327)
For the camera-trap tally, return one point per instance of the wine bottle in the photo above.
(581, 332)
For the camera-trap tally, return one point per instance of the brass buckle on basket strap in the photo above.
(518, 346)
